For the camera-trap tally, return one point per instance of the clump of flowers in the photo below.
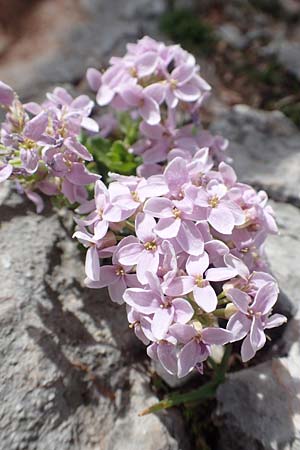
(39, 146)
(183, 238)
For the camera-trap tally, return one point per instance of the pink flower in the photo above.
(144, 252)
(222, 213)
(92, 263)
(253, 317)
(172, 223)
(6, 94)
(116, 276)
(204, 294)
(146, 101)
(165, 310)
(185, 85)
(5, 172)
(196, 345)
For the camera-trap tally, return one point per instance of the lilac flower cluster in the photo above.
(181, 243)
(39, 145)
(158, 84)
(182, 247)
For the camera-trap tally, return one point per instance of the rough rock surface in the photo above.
(265, 147)
(72, 374)
(288, 54)
(283, 253)
(259, 408)
(69, 37)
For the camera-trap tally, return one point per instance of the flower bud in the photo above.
(230, 309)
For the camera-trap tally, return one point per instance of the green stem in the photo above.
(207, 390)
(130, 226)
(221, 295)
(219, 313)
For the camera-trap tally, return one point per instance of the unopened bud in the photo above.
(230, 309)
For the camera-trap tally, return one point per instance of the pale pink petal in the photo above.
(130, 254)
(144, 224)
(116, 290)
(182, 333)
(188, 357)
(257, 335)
(234, 262)
(247, 350)
(105, 95)
(239, 325)
(148, 261)
(159, 207)
(5, 172)
(196, 265)
(150, 111)
(100, 229)
(146, 63)
(167, 228)
(190, 239)
(265, 298)
(220, 273)
(183, 310)
(167, 357)
(180, 286)
(92, 264)
(161, 321)
(80, 176)
(240, 299)
(205, 297)
(188, 93)
(142, 300)
(216, 336)
(94, 78)
(275, 321)
(108, 275)
(156, 91)
(221, 219)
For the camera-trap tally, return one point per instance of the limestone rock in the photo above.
(71, 36)
(265, 147)
(283, 252)
(259, 408)
(72, 374)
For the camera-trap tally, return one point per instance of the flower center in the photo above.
(176, 213)
(120, 271)
(135, 196)
(167, 303)
(252, 313)
(151, 246)
(133, 72)
(199, 281)
(173, 83)
(214, 201)
(100, 212)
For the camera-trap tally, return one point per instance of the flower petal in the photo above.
(205, 297)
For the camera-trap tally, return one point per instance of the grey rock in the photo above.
(290, 7)
(74, 36)
(289, 57)
(232, 36)
(265, 147)
(283, 252)
(259, 408)
(72, 373)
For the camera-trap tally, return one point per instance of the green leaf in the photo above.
(129, 127)
(111, 156)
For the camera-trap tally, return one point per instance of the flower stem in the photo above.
(207, 390)
(130, 226)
